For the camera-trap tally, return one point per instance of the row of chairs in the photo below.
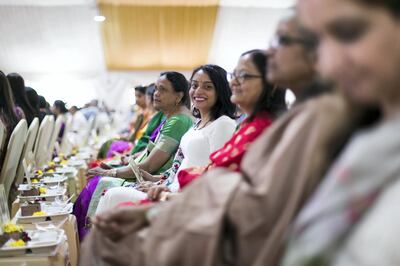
(34, 145)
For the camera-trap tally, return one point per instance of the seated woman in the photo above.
(142, 115)
(23, 107)
(210, 95)
(8, 115)
(139, 129)
(33, 99)
(146, 134)
(172, 98)
(145, 111)
(59, 110)
(260, 101)
(353, 216)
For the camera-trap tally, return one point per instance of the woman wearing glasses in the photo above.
(353, 217)
(292, 60)
(259, 100)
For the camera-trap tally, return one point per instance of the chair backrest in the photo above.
(42, 140)
(3, 134)
(91, 127)
(28, 149)
(54, 136)
(65, 143)
(13, 155)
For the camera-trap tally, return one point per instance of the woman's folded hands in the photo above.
(119, 222)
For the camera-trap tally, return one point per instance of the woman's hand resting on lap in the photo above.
(119, 222)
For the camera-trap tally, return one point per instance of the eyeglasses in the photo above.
(285, 40)
(241, 77)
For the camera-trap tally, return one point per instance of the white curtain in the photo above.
(58, 49)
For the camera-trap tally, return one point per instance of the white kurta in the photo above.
(196, 145)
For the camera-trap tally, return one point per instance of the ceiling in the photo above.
(58, 47)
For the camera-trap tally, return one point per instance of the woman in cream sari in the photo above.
(353, 217)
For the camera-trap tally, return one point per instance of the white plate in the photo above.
(42, 242)
(84, 155)
(65, 170)
(76, 163)
(23, 187)
(56, 178)
(52, 214)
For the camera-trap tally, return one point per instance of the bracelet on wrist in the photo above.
(113, 172)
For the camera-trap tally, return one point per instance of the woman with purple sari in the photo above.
(81, 205)
(171, 97)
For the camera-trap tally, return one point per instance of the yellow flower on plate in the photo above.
(42, 190)
(51, 164)
(39, 213)
(74, 151)
(34, 181)
(50, 171)
(39, 172)
(18, 243)
(12, 228)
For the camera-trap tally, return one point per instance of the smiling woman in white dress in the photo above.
(210, 95)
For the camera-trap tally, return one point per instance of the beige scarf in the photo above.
(227, 218)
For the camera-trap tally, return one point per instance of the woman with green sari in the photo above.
(172, 99)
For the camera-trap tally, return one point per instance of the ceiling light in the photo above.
(99, 18)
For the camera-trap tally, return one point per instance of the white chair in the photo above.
(27, 152)
(66, 145)
(54, 136)
(3, 134)
(13, 155)
(42, 140)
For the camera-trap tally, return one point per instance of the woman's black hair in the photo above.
(7, 107)
(17, 84)
(150, 91)
(179, 84)
(61, 106)
(33, 99)
(223, 105)
(42, 102)
(141, 89)
(272, 98)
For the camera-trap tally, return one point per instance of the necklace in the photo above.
(197, 127)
